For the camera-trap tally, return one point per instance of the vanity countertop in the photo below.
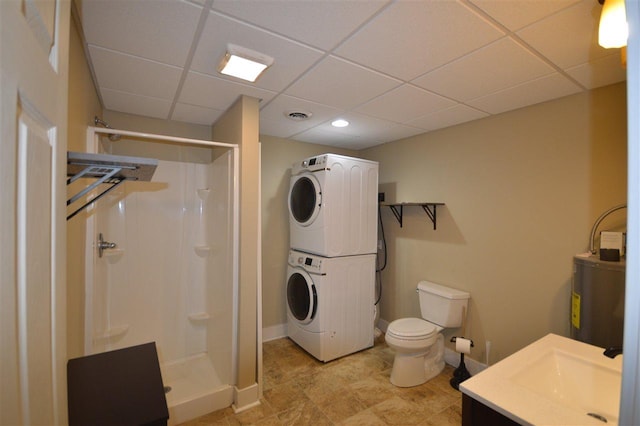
(553, 381)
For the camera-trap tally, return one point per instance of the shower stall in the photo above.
(162, 265)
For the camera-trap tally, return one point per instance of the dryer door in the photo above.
(302, 296)
(305, 198)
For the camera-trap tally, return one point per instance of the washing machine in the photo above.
(333, 205)
(330, 303)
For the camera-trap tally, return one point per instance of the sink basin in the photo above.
(574, 382)
(555, 380)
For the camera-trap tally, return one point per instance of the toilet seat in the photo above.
(411, 329)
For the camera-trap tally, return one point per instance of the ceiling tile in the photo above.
(321, 24)
(132, 74)
(447, 117)
(414, 37)
(517, 14)
(325, 137)
(281, 129)
(362, 131)
(500, 65)
(404, 103)
(395, 133)
(158, 30)
(600, 72)
(557, 37)
(341, 84)
(196, 114)
(290, 58)
(216, 93)
(135, 104)
(359, 125)
(533, 92)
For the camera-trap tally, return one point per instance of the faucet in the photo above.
(613, 351)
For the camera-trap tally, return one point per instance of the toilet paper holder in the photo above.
(454, 338)
(461, 373)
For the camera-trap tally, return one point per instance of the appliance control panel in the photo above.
(311, 164)
(308, 263)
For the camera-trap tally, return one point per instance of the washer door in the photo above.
(302, 296)
(305, 198)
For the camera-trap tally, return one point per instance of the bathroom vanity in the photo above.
(553, 381)
(476, 413)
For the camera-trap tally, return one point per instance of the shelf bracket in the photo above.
(397, 213)
(430, 213)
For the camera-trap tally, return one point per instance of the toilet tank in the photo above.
(442, 305)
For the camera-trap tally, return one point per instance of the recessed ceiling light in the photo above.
(244, 63)
(340, 123)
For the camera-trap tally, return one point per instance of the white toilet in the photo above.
(418, 343)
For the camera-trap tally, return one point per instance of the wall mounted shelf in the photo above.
(398, 208)
(108, 169)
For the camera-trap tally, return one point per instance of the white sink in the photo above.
(553, 381)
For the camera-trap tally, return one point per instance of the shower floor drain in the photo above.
(167, 389)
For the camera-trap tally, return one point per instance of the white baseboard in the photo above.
(383, 325)
(452, 358)
(274, 332)
(245, 398)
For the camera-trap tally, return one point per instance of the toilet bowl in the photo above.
(417, 342)
(419, 349)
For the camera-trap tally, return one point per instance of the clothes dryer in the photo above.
(330, 303)
(333, 205)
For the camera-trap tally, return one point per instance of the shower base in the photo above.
(195, 388)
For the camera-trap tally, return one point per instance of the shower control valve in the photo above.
(103, 245)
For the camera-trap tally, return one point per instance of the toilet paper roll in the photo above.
(463, 345)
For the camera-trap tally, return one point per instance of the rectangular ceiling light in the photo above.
(244, 63)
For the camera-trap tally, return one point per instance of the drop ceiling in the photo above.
(393, 69)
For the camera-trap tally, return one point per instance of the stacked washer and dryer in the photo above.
(332, 261)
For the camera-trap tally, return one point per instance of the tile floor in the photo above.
(354, 390)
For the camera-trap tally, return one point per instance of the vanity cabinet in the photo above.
(475, 413)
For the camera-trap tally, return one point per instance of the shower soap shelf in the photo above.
(202, 251)
(108, 169)
(112, 332)
(429, 209)
(198, 317)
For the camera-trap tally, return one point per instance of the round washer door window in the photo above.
(305, 199)
(302, 297)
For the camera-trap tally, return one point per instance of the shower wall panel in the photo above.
(169, 279)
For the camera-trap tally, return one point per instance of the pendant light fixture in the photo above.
(613, 30)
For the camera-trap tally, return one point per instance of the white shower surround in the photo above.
(173, 276)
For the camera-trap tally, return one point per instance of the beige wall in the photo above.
(277, 157)
(239, 125)
(522, 190)
(138, 123)
(83, 106)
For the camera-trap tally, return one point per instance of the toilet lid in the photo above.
(411, 328)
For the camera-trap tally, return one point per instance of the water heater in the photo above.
(597, 301)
